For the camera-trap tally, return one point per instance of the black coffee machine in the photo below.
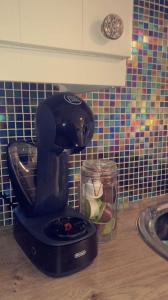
(57, 239)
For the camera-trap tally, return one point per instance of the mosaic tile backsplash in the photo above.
(131, 121)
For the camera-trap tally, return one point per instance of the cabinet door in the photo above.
(9, 20)
(52, 23)
(94, 13)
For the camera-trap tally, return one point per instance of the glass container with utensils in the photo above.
(99, 195)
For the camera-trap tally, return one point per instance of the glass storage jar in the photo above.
(99, 195)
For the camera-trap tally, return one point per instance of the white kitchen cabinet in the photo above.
(77, 73)
(75, 25)
(9, 20)
(52, 23)
(94, 12)
(61, 41)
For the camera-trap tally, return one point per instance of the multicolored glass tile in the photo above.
(131, 122)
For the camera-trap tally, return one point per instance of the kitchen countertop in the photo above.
(125, 269)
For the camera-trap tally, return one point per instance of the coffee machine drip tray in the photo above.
(58, 244)
(68, 228)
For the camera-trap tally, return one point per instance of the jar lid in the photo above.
(100, 166)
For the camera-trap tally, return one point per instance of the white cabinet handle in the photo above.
(112, 27)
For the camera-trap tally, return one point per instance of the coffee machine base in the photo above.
(58, 244)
